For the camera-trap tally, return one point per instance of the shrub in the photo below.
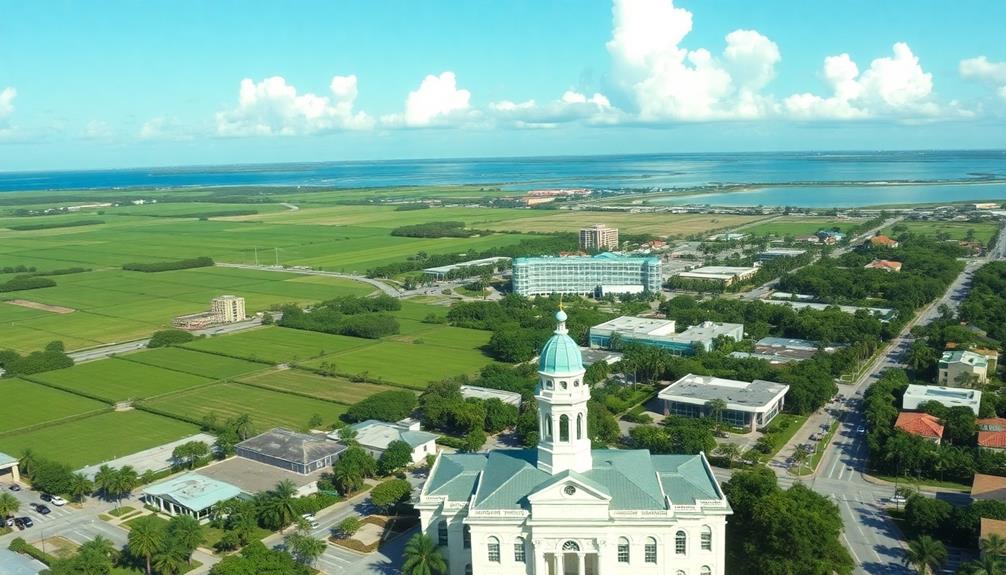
(21, 283)
(390, 493)
(200, 262)
(387, 406)
(166, 337)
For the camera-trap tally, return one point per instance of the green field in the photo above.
(194, 362)
(118, 380)
(277, 344)
(25, 404)
(331, 388)
(982, 232)
(268, 409)
(100, 438)
(800, 225)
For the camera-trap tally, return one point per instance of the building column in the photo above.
(581, 568)
(540, 565)
(557, 562)
(15, 474)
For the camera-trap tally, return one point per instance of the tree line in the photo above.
(434, 230)
(350, 315)
(152, 267)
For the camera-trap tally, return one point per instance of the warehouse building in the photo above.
(775, 253)
(661, 333)
(748, 404)
(298, 452)
(485, 393)
(454, 271)
(595, 276)
(726, 275)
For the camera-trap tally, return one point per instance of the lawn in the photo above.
(116, 379)
(195, 362)
(267, 409)
(100, 438)
(299, 381)
(982, 232)
(800, 225)
(26, 403)
(678, 225)
(278, 344)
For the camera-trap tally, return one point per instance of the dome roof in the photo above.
(560, 355)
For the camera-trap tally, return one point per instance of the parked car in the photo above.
(15, 487)
(23, 522)
(40, 509)
(311, 520)
(899, 499)
(9, 522)
(860, 429)
(45, 497)
(57, 500)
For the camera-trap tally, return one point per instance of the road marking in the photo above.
(848, 546)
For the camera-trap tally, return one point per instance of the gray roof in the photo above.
(632, 479)
(291, 446)
(379, 434)
(788, 343)
(487, 393)
(12, 563)
(739, 395)
(194, 491)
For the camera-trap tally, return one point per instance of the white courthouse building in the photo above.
(566, 509)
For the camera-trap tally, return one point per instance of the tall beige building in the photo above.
(228, 308)
(597, 237)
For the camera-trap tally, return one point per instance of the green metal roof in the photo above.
(962, 356)
(194, 491)
(560, 354)
(685, 478)
(6, 459)
(456, 475)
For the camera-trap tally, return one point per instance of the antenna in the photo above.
(256, 256)
(560, 302)
(276, 251)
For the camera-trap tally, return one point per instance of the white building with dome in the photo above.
(566, 509)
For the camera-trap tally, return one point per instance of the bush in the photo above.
(396, 456)
(434, 230)
(390, 493)
(19, 545)
(387, 406)
(21, 283)
(349, 526)
(200, 262)
(56, 224)
(166, 337)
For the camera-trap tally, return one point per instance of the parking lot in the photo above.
(27, 497)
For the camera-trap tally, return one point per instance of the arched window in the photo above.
(519, 553)
(494, 550)
(579, 426)
(466, 537)
(548, 426)
(706, 570)
(468, 569)
(707, 538)
(680, 542)
(570, 546)
(623, 550)
(442, 533)
(564, 428)
(563, 383)
(679, 572)
(650, 550)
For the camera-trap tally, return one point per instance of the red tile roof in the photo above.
(884, 265)
(988, 487)
(991, 424)
(883, 241)
(921, 424)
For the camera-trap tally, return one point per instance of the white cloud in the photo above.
(97, 130)
(273, 107)
(892, 86)
(668, 82)
(572, 106)
(980, 68)
(7, 96)
(436, 102)
(164, 128)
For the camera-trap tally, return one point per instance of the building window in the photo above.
(679, 572)
(680, 542)
(650, 550)
(494, 550)
(706, 570)
(548, 427)
(468, 569)
(442, 533)
(579, 426)
(467, 537)
(564, 428)
(623, 550)
(519, 554)
(707, 538)
(563, 384)
(570, 546)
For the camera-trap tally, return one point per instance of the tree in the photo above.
(80, 487)
(389, 494)
(353, 467)
(349, 526)
(171, 560)
(994, 545)
(715, 408)
(9, 505)
(104, 481)
(499, 415)
(315, 422)
(304, 548)
(474, 440)
(257, 559)
(729, 451)
(189, 453)
(185, 534)
(396, 456)
(26, 463)
(124, 480)
(927, 515)
(146, 539)
(55, 346)
(986, 565)
(168, 337)
(423, 557)
(279, 509)
(925, 554)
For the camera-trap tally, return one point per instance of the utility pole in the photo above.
(256, 256)
(276, 251)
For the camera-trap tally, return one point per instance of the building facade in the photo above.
(588, 276)
(228, 308)
(962, 368)
(916, 395)
(661, 333)
(598, 237)
(746, 404)
(567, 509)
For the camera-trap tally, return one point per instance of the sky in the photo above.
(109, 84)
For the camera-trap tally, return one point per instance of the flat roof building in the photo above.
(375, 436)
(726, 275)
(592, 356)
(959, 368)
(599, 237)
(484, 393)
(298, 452)
(797, 349)
(774, 253)
(773, 358)
(595, 276)
(916, 395)
(455, 271)
(748, 404)
(884, 314)
(660, 333)
(988, 487)
(189, 494)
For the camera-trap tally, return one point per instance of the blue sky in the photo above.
(123, 84)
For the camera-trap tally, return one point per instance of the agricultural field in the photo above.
(800, 225)
(197, 363)
(982, 232)
(25, 404)
(388, 217)
(267, 409)
(664, 225)
(118, 380)
(99, 438)
(330, 388)
(277, 344)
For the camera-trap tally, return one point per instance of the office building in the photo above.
(595, 276)
(748, 404)
(916, 395)
(661, 333)
(598, 237)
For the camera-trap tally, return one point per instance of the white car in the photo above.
(899, 499)
(57, 501)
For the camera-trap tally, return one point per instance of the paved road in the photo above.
(388, 289)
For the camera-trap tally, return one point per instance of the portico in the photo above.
(8, 464)
(567, 558)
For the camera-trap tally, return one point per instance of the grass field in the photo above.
(25, 403)
(658, 224)
(800, 225)
(194, 362)
(117, 379)
(331, 388)
(277, 344)
(952, 230)
(268, 409)
(100, 438)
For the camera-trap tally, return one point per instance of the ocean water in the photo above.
(657, 171)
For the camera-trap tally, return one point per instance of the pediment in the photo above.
(570, 488)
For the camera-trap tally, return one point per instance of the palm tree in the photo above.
(79, 487)
(716, 407)
(26, 463)
(347, 478)
(304, 548)
(146, 538)
(987, 565)
(994, 545)
(125, 481)
(925, 554)
(730, 451)
(280, 505)
(104, 480)
(170, 561)
(423, 557)
(186, 534)
(347, 435)
(103, 546)
(9, 505)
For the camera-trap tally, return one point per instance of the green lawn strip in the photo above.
(277, 344)
(25, 405)
(308, 384)
(914, 482)
(819, 450)
(782, 429)
(194, 362)
(115, 379)
(120, 511)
